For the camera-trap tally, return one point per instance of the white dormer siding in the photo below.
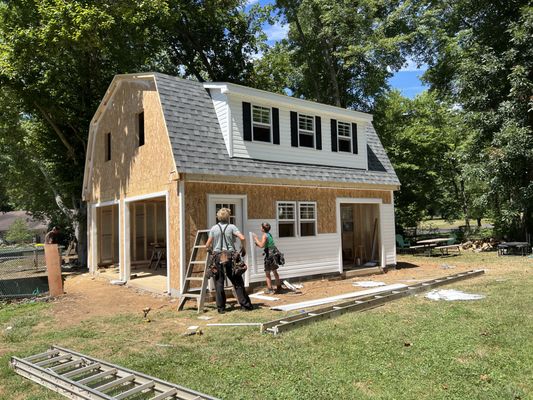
(228, 100)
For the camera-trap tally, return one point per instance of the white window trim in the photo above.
(262, 124)
(307, 132)
(300, 219)
(344, 138)
(294, 220)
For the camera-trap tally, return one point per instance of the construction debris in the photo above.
(238, 324)
(368, 284)
(261, 296)
(205, 317)
(326, 300)
(478, 246)
(193, 330)
(117, 282)
(290, 286)
(452, 295)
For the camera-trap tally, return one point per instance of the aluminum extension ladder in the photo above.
(77, 376)
(361, 303)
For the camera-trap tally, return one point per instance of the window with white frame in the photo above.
(306, 131)
(344, 136)
(261, 124)
(286, 219)
(307, 218)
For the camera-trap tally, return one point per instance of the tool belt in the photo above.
(220, 259)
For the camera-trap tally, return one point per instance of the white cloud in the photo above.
(276, 32)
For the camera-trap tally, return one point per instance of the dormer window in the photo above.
(344, 136)
(306, 131)
(261, 124)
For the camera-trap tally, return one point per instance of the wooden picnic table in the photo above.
(430, 244)
(433, 241)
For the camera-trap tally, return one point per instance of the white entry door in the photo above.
(234, 204)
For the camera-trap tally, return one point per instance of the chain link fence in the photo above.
(22, 272)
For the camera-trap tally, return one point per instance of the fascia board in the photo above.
(300, 104)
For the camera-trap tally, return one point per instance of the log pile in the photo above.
(477, 246)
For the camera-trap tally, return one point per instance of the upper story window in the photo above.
(108, 146)
(261, 124)
(306, 131)
(344, 136)
(140, 127)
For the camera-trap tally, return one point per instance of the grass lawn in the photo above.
(443, 224)
(413, 348)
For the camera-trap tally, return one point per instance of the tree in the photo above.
(19, 232)
(57, 59)
(342, 53)
(424, 139)
(480, 57)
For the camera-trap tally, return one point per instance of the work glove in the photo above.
(243, 251)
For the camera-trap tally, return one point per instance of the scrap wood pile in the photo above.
(478, 246)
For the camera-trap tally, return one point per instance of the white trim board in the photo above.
(326, 300)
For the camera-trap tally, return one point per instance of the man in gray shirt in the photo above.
(221, 242)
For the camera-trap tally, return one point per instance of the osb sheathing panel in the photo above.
(262, 202)
(174, 236)
(133, 169)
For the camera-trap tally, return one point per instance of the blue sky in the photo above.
(407, 80)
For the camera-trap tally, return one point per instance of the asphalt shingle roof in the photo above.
(199, 147)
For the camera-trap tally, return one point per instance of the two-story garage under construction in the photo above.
(166, 153)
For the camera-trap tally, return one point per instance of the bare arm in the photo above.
(209, 243)
(260, 243)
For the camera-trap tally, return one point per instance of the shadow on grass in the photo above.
(405, 265)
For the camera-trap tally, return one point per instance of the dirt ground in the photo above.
(87, 297)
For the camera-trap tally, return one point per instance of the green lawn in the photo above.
(443, 224)
(409, 349)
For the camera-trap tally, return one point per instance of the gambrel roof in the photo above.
(199, 148)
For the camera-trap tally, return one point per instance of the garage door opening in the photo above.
(360, 235)
(148, 243)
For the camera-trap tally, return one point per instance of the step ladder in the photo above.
(77, 376)
(195, 281)
(361, 303)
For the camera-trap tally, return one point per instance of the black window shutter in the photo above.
(294, 129)
(318, 132)
(247, 121)
(354, 138)
(275, 125)
(141, 128)
(333, 135)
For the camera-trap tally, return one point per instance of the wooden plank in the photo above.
(53, 268)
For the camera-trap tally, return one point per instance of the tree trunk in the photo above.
(81, 234)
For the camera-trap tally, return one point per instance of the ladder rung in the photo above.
(117, 382)
(198, 262)
(312, 314)
(140, 388)
(202, 246)
(53, 360)
(101, 375)
(284, 322)
(66, 365)
(42, 355)
(195, 278)
(81, 370)
(192, 295)
(165, 395)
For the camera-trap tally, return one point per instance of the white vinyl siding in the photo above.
(304, 256)
(388, 233)
(285, 152)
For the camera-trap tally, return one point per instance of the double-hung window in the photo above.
(307, 218)
(306, 131)
(344, 136)
(286, 219)
(261, 124)
(296, 218)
